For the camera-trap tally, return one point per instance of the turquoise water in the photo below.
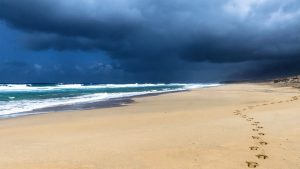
(20, 98)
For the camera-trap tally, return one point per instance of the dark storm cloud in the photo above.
(66, 18)
(163, 36)
(26, 72)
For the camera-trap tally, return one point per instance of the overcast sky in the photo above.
(148, 41)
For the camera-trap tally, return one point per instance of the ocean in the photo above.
(27, 99)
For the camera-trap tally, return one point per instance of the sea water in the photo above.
(24, 99)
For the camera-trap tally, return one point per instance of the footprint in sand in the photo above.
(249, 119)
(262, 156)
(244, 116)
(261, 134)
(259, 127)
(254, 129)
(257, 122)
(252, 164)
(263, 143)
(254, 124)
(255, 137)
(254, 148)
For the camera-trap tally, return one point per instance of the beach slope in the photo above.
(232, 126)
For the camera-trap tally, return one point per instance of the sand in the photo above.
(208, 128)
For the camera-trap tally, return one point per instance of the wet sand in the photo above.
(228, 127)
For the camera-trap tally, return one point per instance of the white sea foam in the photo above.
(28, 87)
(14, 107)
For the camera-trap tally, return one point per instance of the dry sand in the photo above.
(197, 129)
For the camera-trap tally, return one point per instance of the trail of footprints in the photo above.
(260, 145)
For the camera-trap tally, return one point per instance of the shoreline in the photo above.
(207, 128)
(102, 104)
(110, 103)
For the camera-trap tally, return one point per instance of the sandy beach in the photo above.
(232, 126)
